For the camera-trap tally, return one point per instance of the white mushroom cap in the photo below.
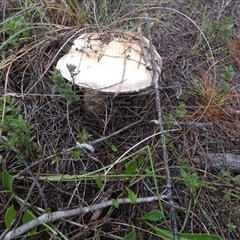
(109, 62)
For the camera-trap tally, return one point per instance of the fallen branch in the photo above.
(51, 217)
(155, 78)
(144, 49)
(217, 162)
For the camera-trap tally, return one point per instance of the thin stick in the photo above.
(51, 217)
(161, 127)
(144, 50)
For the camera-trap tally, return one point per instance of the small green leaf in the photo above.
(110, 145)
(26, 34)
(84, 136)
(131, 167)
(47, 210)
(113, 147)
(77, 153)
(130, 236)
(99, 184)
(141, 160)
(9, 216)
(72, 69)
(231, 226)
(237, 179)
(149, 172)
(7, 181)
(27, 217)
(132, 196)
(115, 202)
(54, 160)
(154, 215)
(42, 226)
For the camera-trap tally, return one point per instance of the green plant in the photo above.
(219, 33)
(63, 87)
(105, 12)
(10, 216)
(7, 182)
(189, 176)
(133, 174)
(224, 176)
(227, 76)
(228, 73)
(131, 235)
(157, 215)
(211, 98)
(167, 235)
(110, 145)
(174, 115)
(16, 27)
(17, 133)
(27, 217)
(170, 120)
(193, 3)
(84, 136)
(220, 30)
(231, 226)
(131, 195)
(14, 24)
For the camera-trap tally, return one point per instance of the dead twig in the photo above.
(51, 217)
(144, 50)
(163, 140)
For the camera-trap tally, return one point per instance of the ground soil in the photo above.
(57, 125)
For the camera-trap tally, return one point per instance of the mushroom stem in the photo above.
(94, 100)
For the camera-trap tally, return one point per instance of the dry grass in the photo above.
(25, 67)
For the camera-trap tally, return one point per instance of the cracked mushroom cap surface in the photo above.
(110, 62)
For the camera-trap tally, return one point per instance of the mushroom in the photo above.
(109, 62)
